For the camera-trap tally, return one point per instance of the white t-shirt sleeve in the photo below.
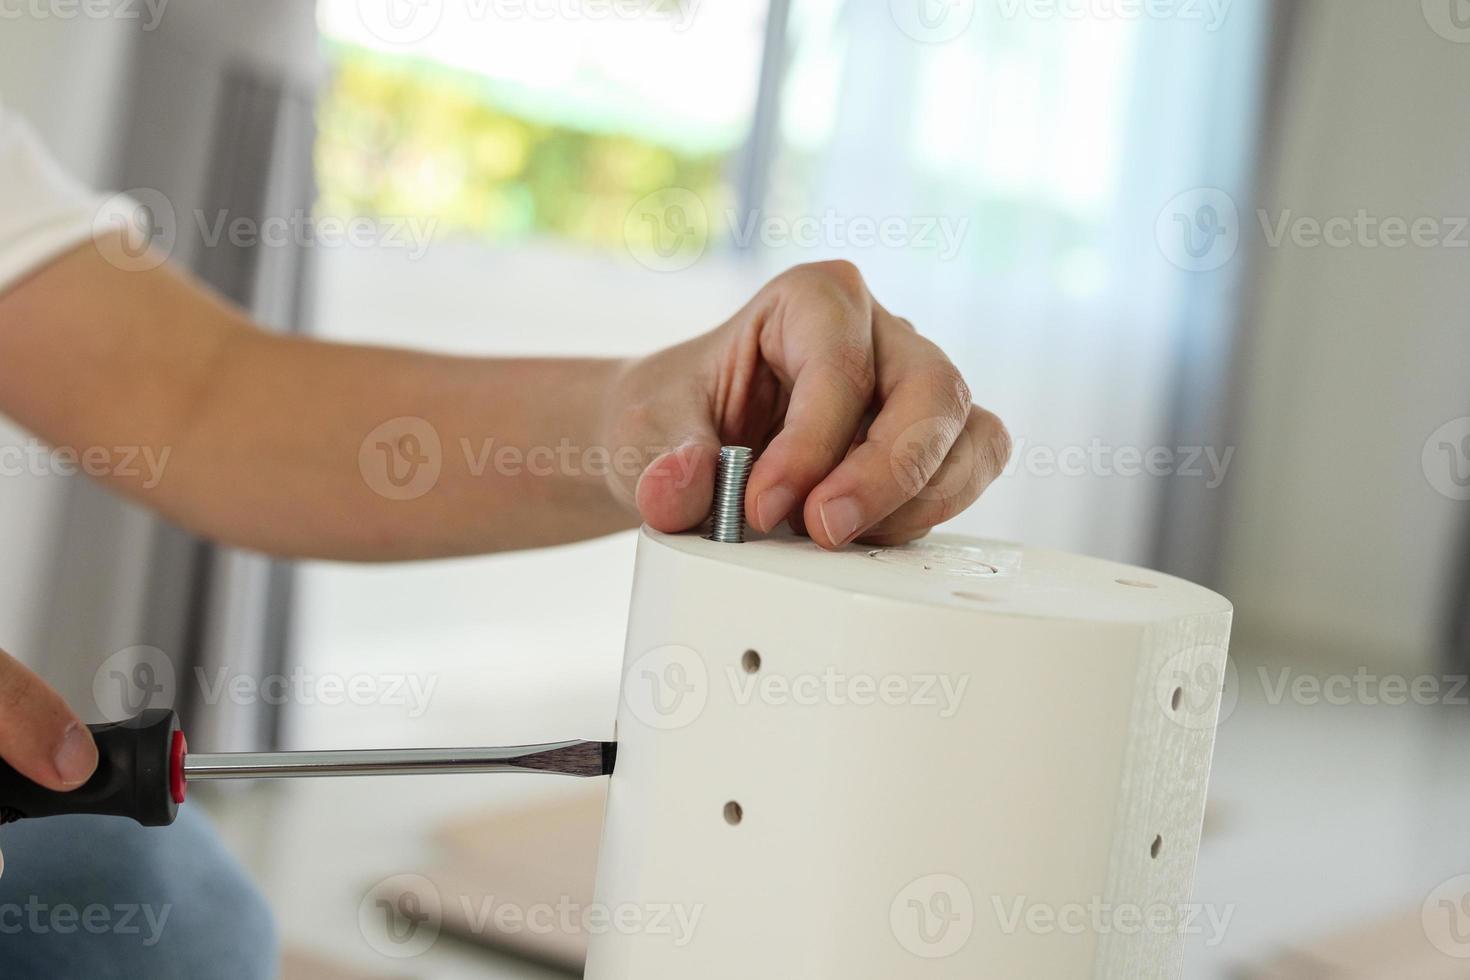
(44, 212)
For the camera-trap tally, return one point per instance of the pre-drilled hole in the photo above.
(1156, 847)
(751, 661)
(734, 813)
(1177, 699)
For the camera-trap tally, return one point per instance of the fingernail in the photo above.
(841, 518)
(772, 505)
(76, 759)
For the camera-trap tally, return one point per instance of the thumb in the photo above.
(39, 735)
(676, 489)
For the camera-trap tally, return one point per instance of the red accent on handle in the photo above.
(176, 766)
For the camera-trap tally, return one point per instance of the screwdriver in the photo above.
(144, 768)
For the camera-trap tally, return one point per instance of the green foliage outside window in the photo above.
(402, 137)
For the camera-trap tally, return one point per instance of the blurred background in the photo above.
(1207, 258)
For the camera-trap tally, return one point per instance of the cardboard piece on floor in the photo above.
(519, 879)
(299, 964)
(1396, 947)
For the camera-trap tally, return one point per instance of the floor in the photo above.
(1325, 815)
(347, 836)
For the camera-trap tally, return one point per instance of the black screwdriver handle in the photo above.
(140, 774)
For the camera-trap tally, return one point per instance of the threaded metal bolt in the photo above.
(727, 521)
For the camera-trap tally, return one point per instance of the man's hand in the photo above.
(39, 735)
(865, 429)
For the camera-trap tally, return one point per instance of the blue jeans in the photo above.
(100, 897)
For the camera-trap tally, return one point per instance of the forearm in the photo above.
(299, 447)
(314, 449)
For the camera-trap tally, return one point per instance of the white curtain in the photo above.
(1049, 144)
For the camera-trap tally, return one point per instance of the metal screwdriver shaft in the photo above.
(727, 520)
(565, 758)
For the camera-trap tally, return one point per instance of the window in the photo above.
(512, 122)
